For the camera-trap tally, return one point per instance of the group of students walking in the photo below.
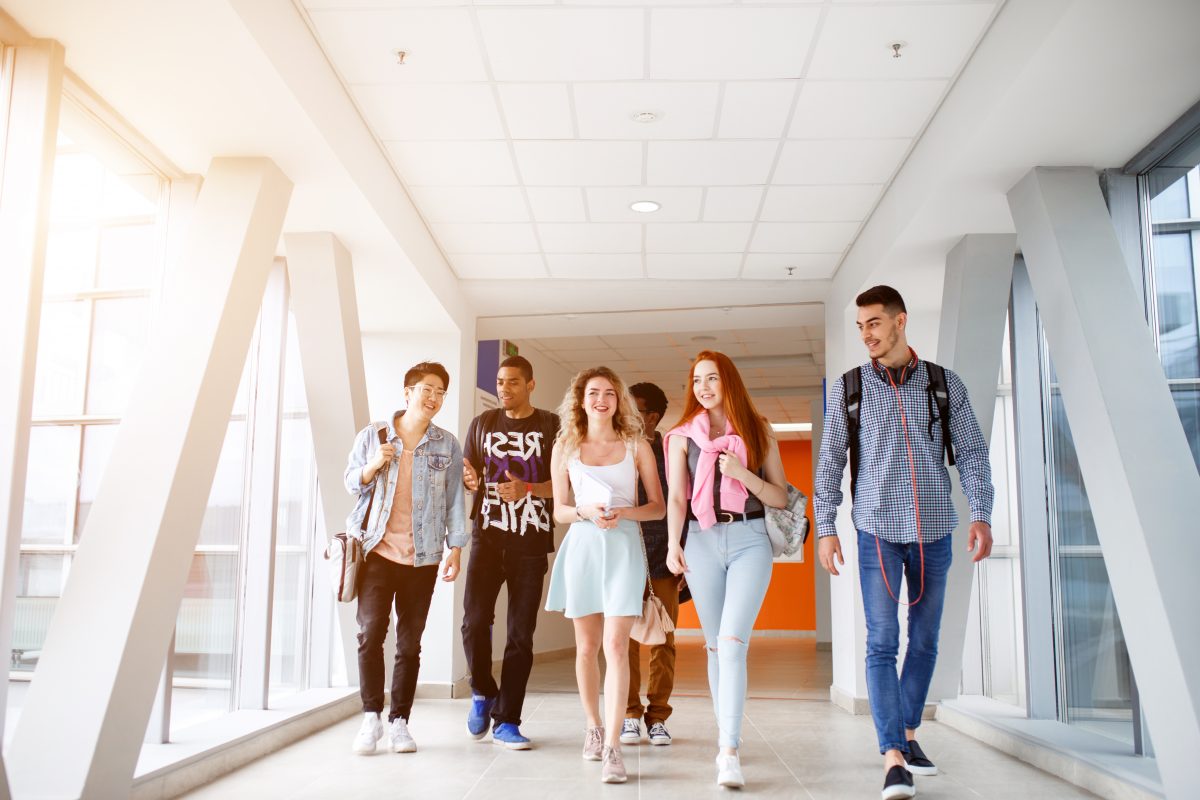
(600, 466)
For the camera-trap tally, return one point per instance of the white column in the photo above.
(81, 729)
(975, 294)
(1139, 473)
(820, 576)
(849, 624)
(26, 167)
(325, 308)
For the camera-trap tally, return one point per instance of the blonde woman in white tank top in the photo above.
(599, 573)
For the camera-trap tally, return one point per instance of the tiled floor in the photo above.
(796, 745)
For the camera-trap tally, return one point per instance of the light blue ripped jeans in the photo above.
(729, 568)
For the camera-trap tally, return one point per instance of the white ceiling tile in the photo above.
(732, 203)
(558, 344)
(693, 266)
(582, 358)
(591, 238)
(710, 163)
(697, 237)
(864, 109)
(803, 237)
(485, 237)
(453, 163)
(730, 43)
(471, 204)
(362, 43)
(819, 203)
(839, 161)
(774, 266)
(498, 266)
(596, 266)
(313, 5)
(684, 110)
(756, 110)
(537, 110)
(580, 163)
(855, 42)
(430, 111)
(611, 204)
(559, 44)
(557, 204)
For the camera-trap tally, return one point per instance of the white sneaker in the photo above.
(631, 731)
(369, 733)
(729, 771)
(399, 737)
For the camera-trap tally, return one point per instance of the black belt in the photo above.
(727, 517)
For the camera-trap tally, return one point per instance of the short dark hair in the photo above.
(884, 296)
(521, 363)
(652, 396)
(418, 371)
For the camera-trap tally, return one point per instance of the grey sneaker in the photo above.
(631, 731)
(593, 744)
(659, 735)
(613, 770)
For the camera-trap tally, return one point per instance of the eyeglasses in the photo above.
(428, 391)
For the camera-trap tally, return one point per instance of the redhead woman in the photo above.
(599, 573)
(723, 469)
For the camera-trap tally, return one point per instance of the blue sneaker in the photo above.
(509, 735)
(480, 715)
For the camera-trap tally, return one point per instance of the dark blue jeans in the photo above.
(897, 701)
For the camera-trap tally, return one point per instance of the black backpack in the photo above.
(939, 397)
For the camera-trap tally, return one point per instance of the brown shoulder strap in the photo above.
(383, 437)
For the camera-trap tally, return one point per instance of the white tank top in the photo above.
(614, 486)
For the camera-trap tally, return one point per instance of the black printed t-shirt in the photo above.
(496, 444)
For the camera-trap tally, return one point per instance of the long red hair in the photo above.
(739, 408)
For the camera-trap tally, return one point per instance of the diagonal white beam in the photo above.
(27, 145)
(975, 292)
(1139, 473)
(326, 312)
(81, 729)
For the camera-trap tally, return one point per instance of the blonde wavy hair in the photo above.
(573, 419)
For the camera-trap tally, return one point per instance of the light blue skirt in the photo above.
(598, 572)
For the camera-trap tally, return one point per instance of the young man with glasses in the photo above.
(652, 406)
(410, 487)
(507, 466)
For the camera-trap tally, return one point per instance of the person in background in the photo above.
(652, 406)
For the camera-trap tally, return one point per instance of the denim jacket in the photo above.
(437, 492)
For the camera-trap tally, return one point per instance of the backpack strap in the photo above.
(939, 394)
(383, 438)
(852, 381)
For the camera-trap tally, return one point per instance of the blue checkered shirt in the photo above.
(883, 498)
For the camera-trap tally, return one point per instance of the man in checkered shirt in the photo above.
(902, 494)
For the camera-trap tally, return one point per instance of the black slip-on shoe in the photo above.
(918, 762)
(898, 783)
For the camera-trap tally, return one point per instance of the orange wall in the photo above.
(789, 605)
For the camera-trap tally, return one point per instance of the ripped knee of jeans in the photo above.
(732, 648)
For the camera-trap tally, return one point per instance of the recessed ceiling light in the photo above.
(645, 206)
(791, 427)
(644, 117)
(401, 57)
(704, 338)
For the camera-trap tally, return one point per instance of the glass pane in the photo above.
(61, 359)
(50, 481)
(293, 374)
(130, 195)
(70, 258)
(1169, 194)
(39, 584)
(204, 640)
(1187, 401)
(222, 523)
(1097, 662)
(297, 482)
(97, 446)
(128, 256)
(119, 334)
(1073, 511)
(1175, 284)
(75, 196)
(1005, 642)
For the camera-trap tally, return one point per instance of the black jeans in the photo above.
(491, 565)
(411, 590)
